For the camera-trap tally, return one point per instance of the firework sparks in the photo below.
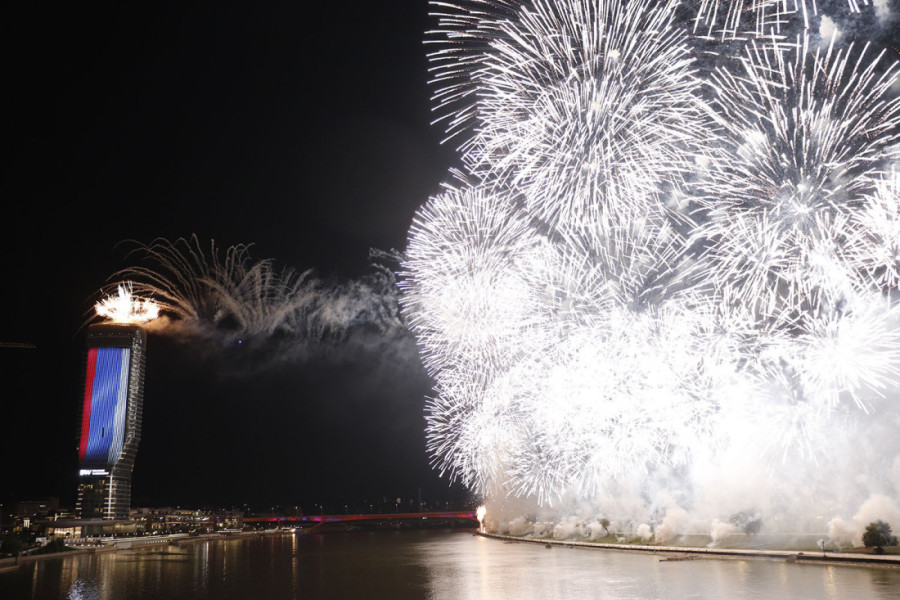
(201, 289)
(742, 19)
(231, 297)
(874, 244)
(123, 307)
(589, 122)
(655, 270)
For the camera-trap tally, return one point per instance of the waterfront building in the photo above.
(174, 520)
(83, 528)
(35, 509)
(110, 420)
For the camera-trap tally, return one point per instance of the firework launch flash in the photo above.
(123, 307)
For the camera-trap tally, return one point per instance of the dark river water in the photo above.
(441, 565)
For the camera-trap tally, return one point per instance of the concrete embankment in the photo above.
(688, 553)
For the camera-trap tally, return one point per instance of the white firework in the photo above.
(803, 141)
(587, 108)
(791, 232)
(470, 260)
(742, 19)
(874, 246)
(474, 431)
(850, 356)
(610, 401)
(732, 19)
(653, 271)
(201, 289)
(124, 307)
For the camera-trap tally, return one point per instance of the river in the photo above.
(438, 565)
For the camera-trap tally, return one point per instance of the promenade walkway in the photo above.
(687, 553)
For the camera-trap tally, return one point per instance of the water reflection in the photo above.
(423, 564)
(530, 571)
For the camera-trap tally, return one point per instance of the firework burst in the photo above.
(588, 123)
(874, 244)
(655, 270)
(468, 293)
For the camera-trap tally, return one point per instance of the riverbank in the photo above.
(411, 565)
(10, 564)
(691, 553)
(137, 544)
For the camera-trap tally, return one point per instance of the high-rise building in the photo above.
(111, 419)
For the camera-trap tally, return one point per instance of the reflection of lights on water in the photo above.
(479, 513)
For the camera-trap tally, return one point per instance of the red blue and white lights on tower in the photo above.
(112, 407)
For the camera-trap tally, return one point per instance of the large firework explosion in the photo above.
(665, 283)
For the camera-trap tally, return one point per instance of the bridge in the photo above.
(311, 522)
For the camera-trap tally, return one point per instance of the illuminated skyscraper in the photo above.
(111, 419)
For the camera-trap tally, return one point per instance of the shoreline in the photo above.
(676, 553)
(145, 544)
(666, 553)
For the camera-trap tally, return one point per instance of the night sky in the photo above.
(302, 128)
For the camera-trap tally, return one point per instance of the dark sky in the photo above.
(300, 127)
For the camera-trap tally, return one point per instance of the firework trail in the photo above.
(742, 19)
(233, 297)
(204, 291)
(657, 269)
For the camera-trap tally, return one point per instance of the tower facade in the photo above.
(110, 419)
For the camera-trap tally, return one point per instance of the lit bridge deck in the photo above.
(311, 522)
